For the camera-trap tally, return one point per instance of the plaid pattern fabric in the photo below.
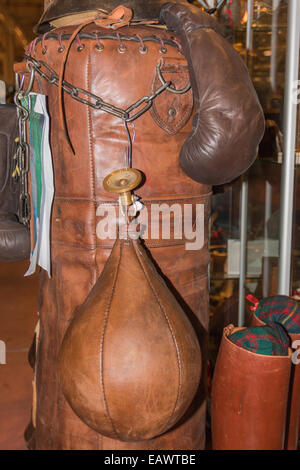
(269, 340)
(281, 309)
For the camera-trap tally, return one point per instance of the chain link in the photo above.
(130, 114)
(22, 158)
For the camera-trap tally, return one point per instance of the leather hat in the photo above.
(142, 10)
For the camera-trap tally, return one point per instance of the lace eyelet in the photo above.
(122, 48)
(163, 50)
(99, 47)
(81, 48)
(143, 49)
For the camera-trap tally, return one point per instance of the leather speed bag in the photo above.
(130, 362)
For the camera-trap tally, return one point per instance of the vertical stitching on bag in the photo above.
(169, 325)
(102, 341)
(92, 158)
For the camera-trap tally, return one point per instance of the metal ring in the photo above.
(170, 88)
(29, 87)
(163, 50)
(31, 80)
(17, 81)
(143, 49)
(122, 49)
(99, 47)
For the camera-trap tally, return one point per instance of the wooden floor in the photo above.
(18, 317)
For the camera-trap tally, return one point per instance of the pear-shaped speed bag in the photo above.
(130, 362)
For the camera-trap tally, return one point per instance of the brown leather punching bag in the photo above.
(130, 362)
(97, 63)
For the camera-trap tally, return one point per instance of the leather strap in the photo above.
(118, 18)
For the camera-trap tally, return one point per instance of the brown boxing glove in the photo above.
(229, 122)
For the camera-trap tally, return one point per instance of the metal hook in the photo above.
(31, 80)
(19, 86)
(24, 113)
(170, 88)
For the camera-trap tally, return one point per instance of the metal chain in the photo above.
(22, 157)
(86, 97)
(128, 115)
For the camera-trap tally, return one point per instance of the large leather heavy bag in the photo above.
(130, 361)
(78, 256)
(14, 236)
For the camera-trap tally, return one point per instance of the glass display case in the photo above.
(247, 217)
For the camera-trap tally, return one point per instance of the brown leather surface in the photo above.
(249, 398)
(14, 239)
(9, 187)
(229, 121)
(293, 417)
(14, 236)
(149, 356)
(255, 321)
(59, 8)
(293, 408)
(78, 256)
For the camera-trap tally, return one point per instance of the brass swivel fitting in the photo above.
(123, 182)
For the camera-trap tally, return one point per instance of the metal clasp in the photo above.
(19, 86)
(170, 88)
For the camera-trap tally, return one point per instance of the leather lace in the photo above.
(118, 18)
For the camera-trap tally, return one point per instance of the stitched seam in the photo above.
(102, 343)
(185, 115)
(146, 201)
(109, 245)
(180, 123)
(92, 157)
(160, 122)
(81, 246)
(158, 244)
(170, 328)
(74, 199)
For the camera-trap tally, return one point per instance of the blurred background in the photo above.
(17, 18)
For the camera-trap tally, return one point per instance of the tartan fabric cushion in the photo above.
(269, 340)
(281, 309)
